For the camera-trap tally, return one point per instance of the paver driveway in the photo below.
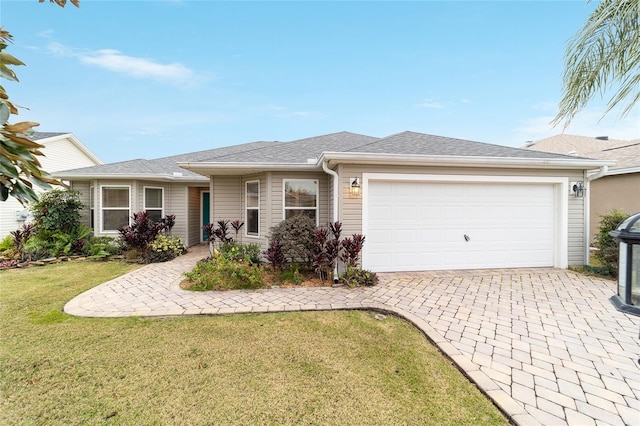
(545, 344)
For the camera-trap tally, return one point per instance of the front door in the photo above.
(206, 209)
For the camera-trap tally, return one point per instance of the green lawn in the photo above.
(337, 368)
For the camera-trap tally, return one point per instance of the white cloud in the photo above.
(431, 103)
(116, 61)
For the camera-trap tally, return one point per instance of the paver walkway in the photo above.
(545, 344)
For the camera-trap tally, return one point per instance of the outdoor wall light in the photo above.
(578, 189)
(355, 186)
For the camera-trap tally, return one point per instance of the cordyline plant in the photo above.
(143, 230)
(275, 255)
(20, 238)
(351, 250)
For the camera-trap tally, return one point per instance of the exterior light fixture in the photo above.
(355, 186)
(627, 298)
(578, 189)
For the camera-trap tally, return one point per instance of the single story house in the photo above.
(617, 187)
(421, 201)
(61, 151)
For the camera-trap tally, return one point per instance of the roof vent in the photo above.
(528, 143)
(602, 138)
(572, 153)
(177, 174)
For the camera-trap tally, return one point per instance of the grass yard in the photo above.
(316, 368)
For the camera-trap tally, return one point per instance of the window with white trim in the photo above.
(116, 207)
(252, 205)
(154, 202)
(301, 197)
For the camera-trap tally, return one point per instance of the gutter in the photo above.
(464, 161)
(335, 177)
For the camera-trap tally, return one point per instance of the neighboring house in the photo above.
(618, 187)
(423, 202)
(61, 151)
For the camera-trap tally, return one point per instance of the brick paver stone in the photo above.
(545, 344)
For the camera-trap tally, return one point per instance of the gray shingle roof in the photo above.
(301, 150)
(412, 143)
(44, 135)
(165, 165)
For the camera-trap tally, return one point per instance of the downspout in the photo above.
(603, 171)
(334, 179)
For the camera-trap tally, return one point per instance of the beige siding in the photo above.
(63, 155)
(226, 198)
(351, 209)
(194, 209)
(619, 192)
(83, 189)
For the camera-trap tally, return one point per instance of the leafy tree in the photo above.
(20, 168)
(605, 52)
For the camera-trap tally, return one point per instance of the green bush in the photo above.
(239, 251)
(102, 247)
(165, 248)
(607, 246)
(6, 243)
(357, 277)
(58, 211)
(219, 273)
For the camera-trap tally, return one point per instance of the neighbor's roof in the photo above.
(309, 153)
(47, 138)
(626, 153)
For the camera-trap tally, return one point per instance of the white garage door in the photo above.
(412, 226)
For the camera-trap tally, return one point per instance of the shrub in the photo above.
(102, 247)
(21, 237)
(296, 236)
(238, 251)
(219, 273)
(357, 277)
(351, 249)
(142, 231)
(57, 211)
(112, 245)
(275, 255)
(607, 246)
(6, 243)
(164, 248)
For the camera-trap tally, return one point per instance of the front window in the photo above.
(253, 208)
(154, 203)
(115, 207)
(301, 197)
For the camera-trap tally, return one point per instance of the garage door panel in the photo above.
(422, 225)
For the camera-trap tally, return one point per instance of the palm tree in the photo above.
(603, 55)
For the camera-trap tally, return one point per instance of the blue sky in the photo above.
(148, 79)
